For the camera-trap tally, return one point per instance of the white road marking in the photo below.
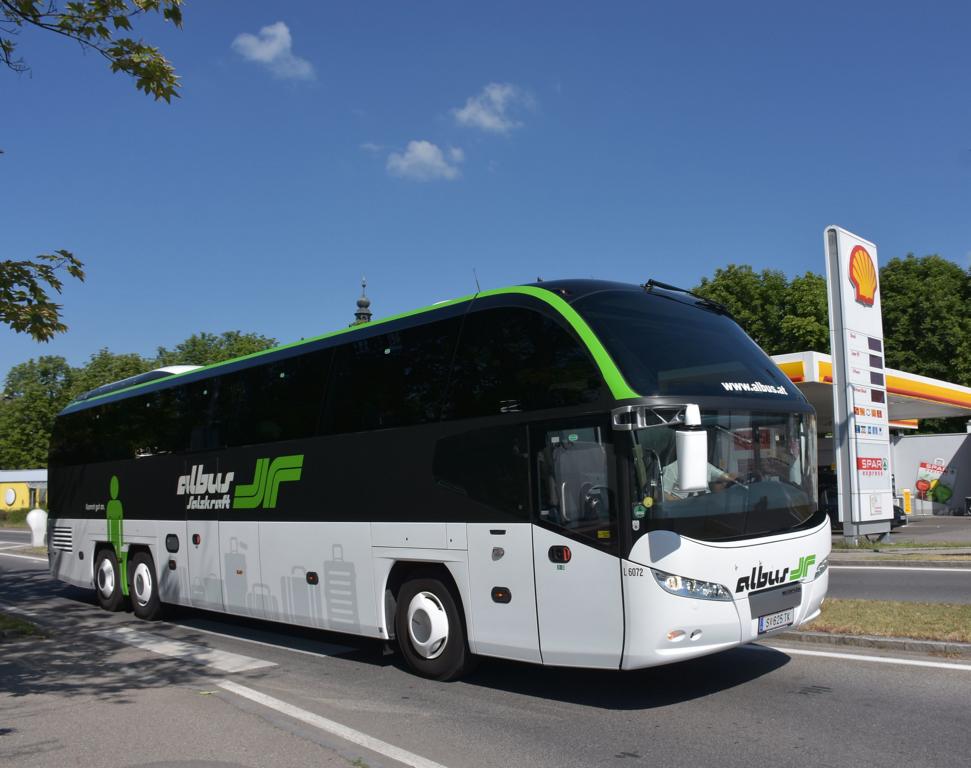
(224, 661)
(327, 649)
(897, 568)
(861, 657)
(24, 557)
(342, 731)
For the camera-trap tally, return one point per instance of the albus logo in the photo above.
(863, 275)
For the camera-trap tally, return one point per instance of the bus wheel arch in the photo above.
(107, 578)
(425, 612)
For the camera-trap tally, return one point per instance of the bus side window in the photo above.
(513, 359)
(574, 484)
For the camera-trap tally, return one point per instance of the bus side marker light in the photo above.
(501, 595)
(171, 565)
(196, 539)
(312, 578)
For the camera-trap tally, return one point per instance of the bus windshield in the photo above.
(761, 477)
(667, 347)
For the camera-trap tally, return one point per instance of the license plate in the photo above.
(776, 620)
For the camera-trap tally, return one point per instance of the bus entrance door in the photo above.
(578, 586)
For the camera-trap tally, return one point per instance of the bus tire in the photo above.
(143, 590)
(107, 580)
(431, 635)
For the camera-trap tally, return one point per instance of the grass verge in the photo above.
(11, 626)
(14, 518)
(889, 618)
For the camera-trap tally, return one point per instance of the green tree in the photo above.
(97, 25)
(33, 393)
(208, 348)
(927, 323)
(104, 367)
(765, 304)
(805, 317)
(927, 317)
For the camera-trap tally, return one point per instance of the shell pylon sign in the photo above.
(861, 430)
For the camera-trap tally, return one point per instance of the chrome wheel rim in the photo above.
(142, 584)
(427, 625)
(106, 578)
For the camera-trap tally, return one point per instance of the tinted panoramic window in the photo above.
(489, 466)
(664, 346)
(281, 400)
(393, 379)
(515, 359)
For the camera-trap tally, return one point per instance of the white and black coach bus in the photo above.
(574, 473)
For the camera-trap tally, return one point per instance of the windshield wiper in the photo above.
(706, 302)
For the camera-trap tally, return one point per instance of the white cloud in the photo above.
(424, 161)
(490, 110)
(273, 48)
(370, 146)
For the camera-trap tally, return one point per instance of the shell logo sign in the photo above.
(863, 275)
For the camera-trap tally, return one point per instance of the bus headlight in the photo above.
(821, 567)
(683, 587)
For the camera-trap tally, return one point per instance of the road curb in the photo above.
(930, 647)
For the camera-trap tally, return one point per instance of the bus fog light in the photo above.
(676, 635)
(684, 587)
(696, 635)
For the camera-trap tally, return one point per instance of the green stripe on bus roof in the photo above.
(612, 375)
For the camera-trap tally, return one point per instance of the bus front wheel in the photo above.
(107, 580)
(430, 631)
(145, 602)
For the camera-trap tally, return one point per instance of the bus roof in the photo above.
(557, 294)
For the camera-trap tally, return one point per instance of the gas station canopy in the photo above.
(909, 397)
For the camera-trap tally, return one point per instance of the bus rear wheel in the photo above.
(107, 580)
(145, 602)
(430, 631)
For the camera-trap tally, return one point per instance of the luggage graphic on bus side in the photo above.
(340, 589)
(301, 600)
(235, 583)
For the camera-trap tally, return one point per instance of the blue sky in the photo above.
(413, 142)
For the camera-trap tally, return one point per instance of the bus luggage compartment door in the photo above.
(202, 556)
(501, 558)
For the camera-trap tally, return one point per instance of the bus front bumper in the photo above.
(664, 628)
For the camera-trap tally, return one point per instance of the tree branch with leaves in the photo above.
(25, 304)
(97, 25)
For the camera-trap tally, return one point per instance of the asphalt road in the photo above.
(13, 536)
(83, 698)
(915, 584)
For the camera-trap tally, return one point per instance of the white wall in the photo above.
(908, 451)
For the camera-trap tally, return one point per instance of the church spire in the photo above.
(363, 313)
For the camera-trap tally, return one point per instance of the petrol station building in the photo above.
(910, 398)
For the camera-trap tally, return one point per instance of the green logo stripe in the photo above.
(283, 469)
(267, 476)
